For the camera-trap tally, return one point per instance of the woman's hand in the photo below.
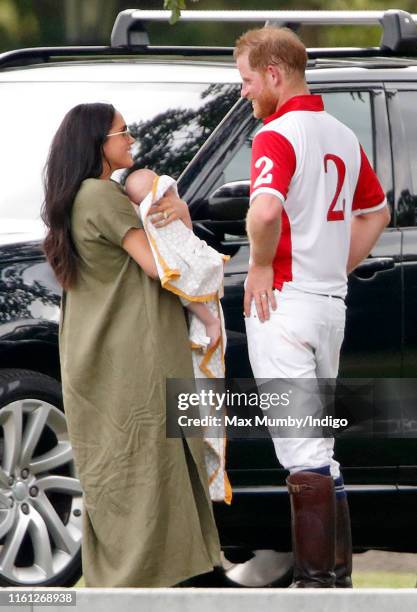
(169, 208)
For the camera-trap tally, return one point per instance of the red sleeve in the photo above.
(369, 193)
(273, 164)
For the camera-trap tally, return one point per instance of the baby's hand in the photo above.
(213, 331)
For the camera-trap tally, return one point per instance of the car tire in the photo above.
(40, 495)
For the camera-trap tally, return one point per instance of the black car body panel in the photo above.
(375, 95)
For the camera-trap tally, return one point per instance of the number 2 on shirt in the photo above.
(265, 176)
(332, 214)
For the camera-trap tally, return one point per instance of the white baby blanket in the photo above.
(193, 270)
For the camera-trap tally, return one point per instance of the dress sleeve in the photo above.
(113, 214)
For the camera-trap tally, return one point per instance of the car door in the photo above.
(373, 336)
(402, 101)
(375, 285)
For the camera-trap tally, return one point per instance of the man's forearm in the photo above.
(366, 230)
(263, 225)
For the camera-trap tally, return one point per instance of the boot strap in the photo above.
(298, 488)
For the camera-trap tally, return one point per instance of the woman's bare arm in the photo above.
(136, 244)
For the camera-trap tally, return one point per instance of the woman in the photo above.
(148, 519)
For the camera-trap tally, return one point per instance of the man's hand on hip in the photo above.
(259, 287)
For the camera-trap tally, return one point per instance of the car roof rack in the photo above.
(38, 55)
(399, 27)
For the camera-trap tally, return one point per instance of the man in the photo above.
(316, 210)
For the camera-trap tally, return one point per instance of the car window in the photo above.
(407, 102)
(407, 202)
(170, 121)
(353, 108)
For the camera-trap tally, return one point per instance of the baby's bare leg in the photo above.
(211, 322)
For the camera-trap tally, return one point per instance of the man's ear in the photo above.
(275, 75)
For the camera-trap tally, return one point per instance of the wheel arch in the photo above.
(31, 354)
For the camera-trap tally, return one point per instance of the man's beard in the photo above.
(265, 104)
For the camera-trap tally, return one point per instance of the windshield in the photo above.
(170, 121)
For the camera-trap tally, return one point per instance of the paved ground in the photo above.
(377, 561)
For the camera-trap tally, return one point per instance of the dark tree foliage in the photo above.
(170, 140)
(60, 22)
(17, 298)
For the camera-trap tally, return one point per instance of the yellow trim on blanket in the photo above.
(191, 298)
(203, 365)
(227, 486)
(168, 275)
(154, 187)
(207, 358)
(228, 493)
(168, 272)
(228, 490)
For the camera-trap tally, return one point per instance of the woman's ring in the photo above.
(166, 214)
(263, 295)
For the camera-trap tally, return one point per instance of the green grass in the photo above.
(363, 580)
(384, 580)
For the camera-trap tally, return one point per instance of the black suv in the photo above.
(182, 105)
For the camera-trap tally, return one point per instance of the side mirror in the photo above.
(230, 202)
(224, 212)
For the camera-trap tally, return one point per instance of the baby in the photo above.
(138, 185)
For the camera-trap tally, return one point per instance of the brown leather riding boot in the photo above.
(343, 564)
(313, 529)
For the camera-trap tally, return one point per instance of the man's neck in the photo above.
(302, 90)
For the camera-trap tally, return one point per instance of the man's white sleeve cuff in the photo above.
(266, 190)
(364, 211)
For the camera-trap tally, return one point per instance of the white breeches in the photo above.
(302, 339)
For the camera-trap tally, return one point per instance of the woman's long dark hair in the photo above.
(76, 153)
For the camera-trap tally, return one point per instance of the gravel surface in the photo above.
(380, 561)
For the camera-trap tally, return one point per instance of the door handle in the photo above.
(372, 266)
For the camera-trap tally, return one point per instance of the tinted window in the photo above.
(408, 102)
(407, 202)
(352, 108)
(169, 120)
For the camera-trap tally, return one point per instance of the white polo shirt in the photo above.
(315, 165)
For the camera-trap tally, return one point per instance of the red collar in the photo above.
(308, 102)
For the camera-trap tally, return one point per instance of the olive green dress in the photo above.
(148, 519)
